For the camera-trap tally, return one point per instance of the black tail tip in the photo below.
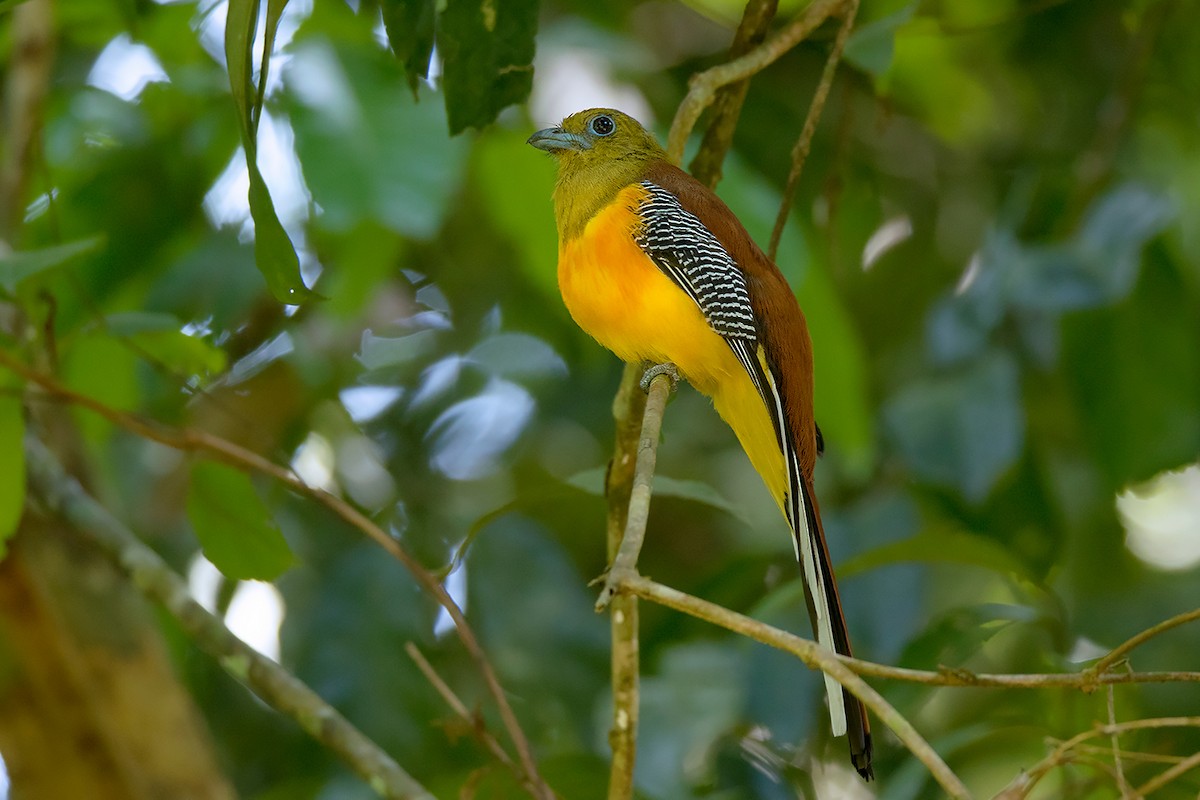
(861, 759)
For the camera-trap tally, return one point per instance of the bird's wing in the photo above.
(682, 247)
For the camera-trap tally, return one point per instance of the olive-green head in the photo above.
(599, 152)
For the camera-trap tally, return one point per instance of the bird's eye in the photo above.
(602, 125)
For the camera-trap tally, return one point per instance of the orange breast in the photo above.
(618, 296)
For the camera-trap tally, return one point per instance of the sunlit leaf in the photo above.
(381, 352)
(16, 267)
(487, 47)
(368, 149)
(273, 251)
(234, 527)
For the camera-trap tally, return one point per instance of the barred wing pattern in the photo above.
(689, 254)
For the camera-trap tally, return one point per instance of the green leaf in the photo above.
(369, 151)
(487, 47)
(12, 462)
(592, 482)
(273, 251)
(944, 546)
(961, 429)
(872, 45)
(381, 352)
(233, 525)
(409, 26)
(16, 267)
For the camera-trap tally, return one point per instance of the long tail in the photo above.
(766, 438)
(853, 714)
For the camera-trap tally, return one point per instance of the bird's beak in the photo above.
(554, 140)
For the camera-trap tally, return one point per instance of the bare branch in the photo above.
(1119, 652)
(727, 105)
(703, 85)
(458, 706)
(274, 685)
(241, 458)
(625, 563)
(1166, 776)
(804, 143)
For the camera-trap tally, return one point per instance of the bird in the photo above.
(656, 268)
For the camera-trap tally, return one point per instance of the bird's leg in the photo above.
(654, 371)
(624, 565)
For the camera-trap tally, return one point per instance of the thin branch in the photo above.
(625, 563)
(727, 105)
(1119, 652)
(223, 450)
(1024, 783)
(804, 143)
(704, 85)
(277, 687)
(814, 656)
(1166, 776)
(458, 706)
(628, 409)
(26, 87)
(1115, 738)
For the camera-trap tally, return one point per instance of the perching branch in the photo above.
(276, 686)
(804, 143)
(628, 410)
(704, 85)
(234, 455)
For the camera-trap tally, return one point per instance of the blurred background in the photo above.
(996, 241)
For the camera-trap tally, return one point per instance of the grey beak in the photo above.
(554, 140)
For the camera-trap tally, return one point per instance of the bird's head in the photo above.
(599, 151)
(595, 136)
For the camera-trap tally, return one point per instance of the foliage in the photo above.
(987, 382)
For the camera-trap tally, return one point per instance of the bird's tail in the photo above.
(829, 626)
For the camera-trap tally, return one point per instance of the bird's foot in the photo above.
(612, 581)
(653, 372)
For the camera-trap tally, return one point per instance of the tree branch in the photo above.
(442, 688)
(1166, 776)
(703, 85)
(624, 565)
(804, 143)
(727, 105)
(814, 656)
(241, 458)
(628, 409)
(277, 687)
(1120, 651)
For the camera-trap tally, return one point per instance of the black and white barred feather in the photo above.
(689, 254)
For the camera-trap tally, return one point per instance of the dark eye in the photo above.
(602, 125)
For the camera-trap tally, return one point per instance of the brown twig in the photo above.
(241, 458)
(727, 104)
(1166, 776)
(63, 495)
(704, 85)
(481, 733)
(804, 143)
(1115, 739)
(1119, 652)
